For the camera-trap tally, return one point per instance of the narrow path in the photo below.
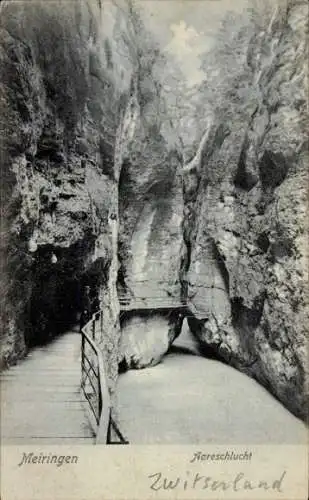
(40, 396)
(188, 399)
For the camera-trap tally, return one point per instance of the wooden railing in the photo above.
(126, 302)
(94, 385)
(147, 296)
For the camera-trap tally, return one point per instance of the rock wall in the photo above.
(60, 196)
(245, 218)
(151, 214)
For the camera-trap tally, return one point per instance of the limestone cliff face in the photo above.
(245, 218)
(60, 186)
(151, 211)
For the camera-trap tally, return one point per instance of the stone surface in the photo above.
(151, 215)
(146, 338)
(60, 190)
(150, 203)
(245, 221)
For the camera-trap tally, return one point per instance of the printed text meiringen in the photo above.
(47, 458)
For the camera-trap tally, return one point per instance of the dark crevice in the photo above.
(244, 179)
(121, 275)
(246, 318)
(207, 350)
(125, 182)
(123, 366)
(273, 169)
(283, 248)
(263, 242)
(188, 256)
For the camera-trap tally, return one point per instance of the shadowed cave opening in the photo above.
(58, 278)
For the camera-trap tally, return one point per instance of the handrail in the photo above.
(150, 302)
(101, 408)
(128, 299)
(144, 297)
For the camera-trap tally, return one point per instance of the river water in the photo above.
(190, 399)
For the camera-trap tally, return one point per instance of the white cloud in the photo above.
(186, 45)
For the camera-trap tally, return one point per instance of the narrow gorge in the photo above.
(185, 198)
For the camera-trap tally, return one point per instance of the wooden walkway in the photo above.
(40, 397)
(147, 304)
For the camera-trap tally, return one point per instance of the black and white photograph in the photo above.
(154, 229)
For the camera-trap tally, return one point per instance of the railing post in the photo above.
(102, 434)
(100, 405)
(109, 431)
(82, 358)
(93, 329)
